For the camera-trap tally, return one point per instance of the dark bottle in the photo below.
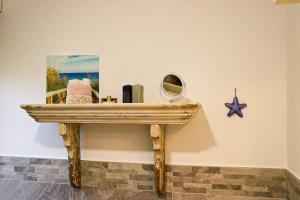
(127, 94)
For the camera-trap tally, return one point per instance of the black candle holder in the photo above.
(127, 94)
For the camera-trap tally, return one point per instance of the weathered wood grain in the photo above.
(71, 116)
(114, 113)
(158, 136)
(71, 137)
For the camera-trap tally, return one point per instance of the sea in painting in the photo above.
(61, 69)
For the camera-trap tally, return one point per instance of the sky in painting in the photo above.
(74, 64)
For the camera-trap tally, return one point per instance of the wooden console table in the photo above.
(70, 117)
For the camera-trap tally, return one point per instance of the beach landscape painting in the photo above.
(62, 70)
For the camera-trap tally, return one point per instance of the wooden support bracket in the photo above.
(158, 137)
(71, 136)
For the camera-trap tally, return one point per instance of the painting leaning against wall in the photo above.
(73, 69)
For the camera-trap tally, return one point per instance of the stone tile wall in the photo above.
(183, 182)
(34, 169)
(228, 183)
(293, 186)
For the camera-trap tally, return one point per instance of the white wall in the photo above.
(293, 36)
(214, 45)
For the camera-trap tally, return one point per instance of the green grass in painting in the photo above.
(54, 81)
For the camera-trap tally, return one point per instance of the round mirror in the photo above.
(172, 87)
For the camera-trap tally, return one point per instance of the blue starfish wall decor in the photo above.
(235, 107)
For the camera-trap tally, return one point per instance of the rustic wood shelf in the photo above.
(70, 117)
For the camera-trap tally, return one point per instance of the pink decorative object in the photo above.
(79, 92)
(85, 90)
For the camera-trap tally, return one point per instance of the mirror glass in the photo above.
(172, 85)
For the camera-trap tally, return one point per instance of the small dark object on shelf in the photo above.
(127, 94)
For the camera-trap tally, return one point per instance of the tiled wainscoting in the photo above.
(293, 186)
(183, 182)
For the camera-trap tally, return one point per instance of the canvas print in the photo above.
(72, 79)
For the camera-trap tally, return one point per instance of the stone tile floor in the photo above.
(27, 190)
